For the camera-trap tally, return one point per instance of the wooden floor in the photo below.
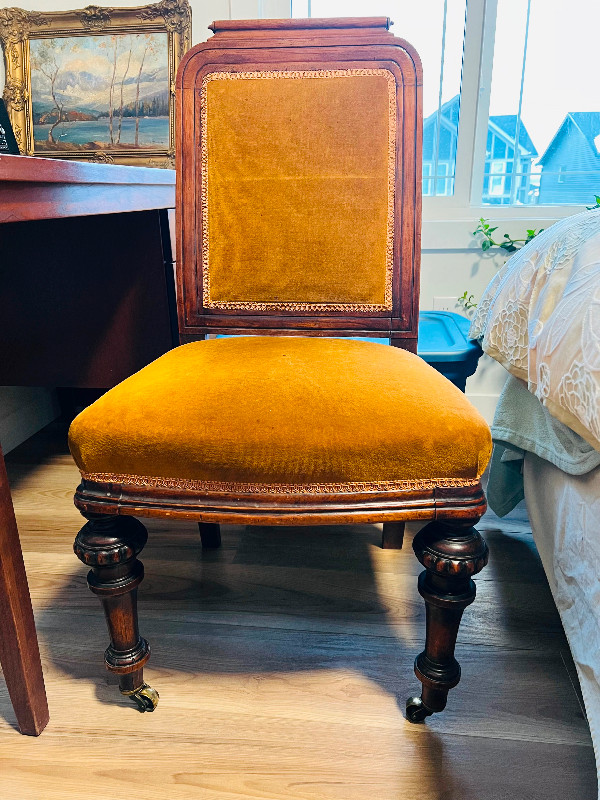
(283, 662)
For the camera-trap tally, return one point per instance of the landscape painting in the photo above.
(100, 93)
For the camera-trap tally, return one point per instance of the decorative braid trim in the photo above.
(277, 488)
(250, 305)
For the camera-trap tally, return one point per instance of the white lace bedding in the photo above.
(540, 318)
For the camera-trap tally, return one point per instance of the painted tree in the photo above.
(148, 47)
(111, 47)
(47, 62)
(111, 91)
(123, 78)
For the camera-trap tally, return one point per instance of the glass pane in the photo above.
(436, 29)
(544, 96)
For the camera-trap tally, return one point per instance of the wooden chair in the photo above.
(298, 194)
(19, 653)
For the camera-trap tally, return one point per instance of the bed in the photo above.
(540, 318)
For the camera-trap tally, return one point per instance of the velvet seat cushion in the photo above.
(282, 410)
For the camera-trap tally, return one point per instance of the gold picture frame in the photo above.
(96, 83)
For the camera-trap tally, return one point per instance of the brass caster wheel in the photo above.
(145, 697)
(416, 711)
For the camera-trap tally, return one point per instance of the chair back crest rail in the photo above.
(298, 181)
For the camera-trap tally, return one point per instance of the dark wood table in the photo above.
(87, 298)
(87, 289)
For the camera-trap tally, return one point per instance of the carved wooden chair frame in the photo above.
(449, 548)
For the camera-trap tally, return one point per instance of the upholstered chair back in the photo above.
(298, 180)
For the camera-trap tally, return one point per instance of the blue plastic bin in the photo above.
(445, 345)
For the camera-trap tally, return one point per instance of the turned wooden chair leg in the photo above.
(393, 536)
(109, 545)
(210, 535)
(451, 553)
(19, 653)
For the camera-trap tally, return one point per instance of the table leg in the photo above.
(19, 653)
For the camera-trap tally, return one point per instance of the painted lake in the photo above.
(153, 132)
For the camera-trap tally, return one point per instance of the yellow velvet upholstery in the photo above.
(283, 410)
(298, 181)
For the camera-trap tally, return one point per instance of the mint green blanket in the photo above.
(521, 423)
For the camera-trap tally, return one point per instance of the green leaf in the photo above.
(486, 244)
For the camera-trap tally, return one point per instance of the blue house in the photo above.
(499, 157)
(571, 162)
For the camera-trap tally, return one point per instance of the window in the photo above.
(545, 55)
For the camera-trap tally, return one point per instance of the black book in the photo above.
(8, 143)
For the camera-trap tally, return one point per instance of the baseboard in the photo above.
(24, 410)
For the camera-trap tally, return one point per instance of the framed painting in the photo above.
(96, 83)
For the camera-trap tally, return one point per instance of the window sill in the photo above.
(449, 227)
